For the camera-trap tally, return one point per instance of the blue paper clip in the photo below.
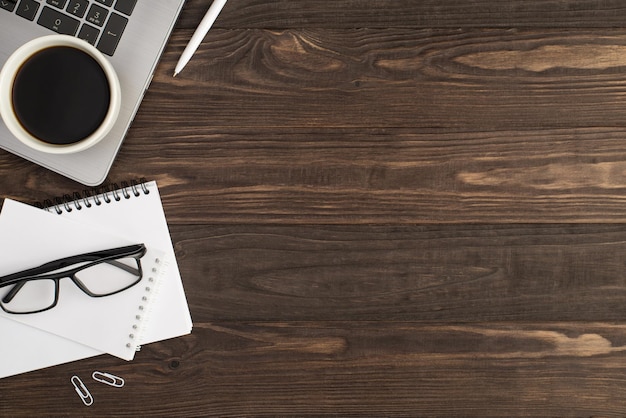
(108, 379)
(82, 391)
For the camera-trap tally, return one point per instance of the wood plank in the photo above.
(277, 14)
(461, 80)
(456, 273)
(362, 368)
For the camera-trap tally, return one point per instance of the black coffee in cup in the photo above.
(60, 95)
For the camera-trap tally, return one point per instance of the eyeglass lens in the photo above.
(110, 277)
(33, 296)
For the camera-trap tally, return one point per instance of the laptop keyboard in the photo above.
(99, 22)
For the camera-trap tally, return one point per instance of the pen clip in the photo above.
(82, 391)
(108, 379)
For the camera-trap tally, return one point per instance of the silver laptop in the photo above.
(132, 33)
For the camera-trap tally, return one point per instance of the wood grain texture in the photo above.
(482, 273)
(408, 13)
(462, 79)
(352, 368)
(383, 208)
(387, 126)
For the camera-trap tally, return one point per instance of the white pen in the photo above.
(199, 34)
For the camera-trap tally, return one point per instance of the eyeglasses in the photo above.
(97, 274)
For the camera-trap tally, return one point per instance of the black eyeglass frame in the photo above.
(19, 279)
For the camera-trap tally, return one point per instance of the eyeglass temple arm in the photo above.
(126, 268)
(9, 296)
(50, 266)
(68, 261)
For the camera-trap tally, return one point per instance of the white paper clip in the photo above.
(82, 391)
(108, 379)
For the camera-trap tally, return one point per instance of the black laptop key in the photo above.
(97, 15)
(112, 33)
(125, 6)
(58, 22)
(88, 33)
(77, 7)
(8, 5)
(57, 3)
(27, 9)
(106, 2)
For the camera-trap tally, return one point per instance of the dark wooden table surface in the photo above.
(412, 208)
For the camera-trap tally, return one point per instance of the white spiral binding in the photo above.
(152, 287)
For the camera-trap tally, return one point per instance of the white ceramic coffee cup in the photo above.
(7, 78)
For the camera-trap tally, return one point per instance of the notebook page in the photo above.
(33, 237)
(25, 348)
(141, 218)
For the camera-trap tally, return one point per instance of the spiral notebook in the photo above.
(130, 214)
